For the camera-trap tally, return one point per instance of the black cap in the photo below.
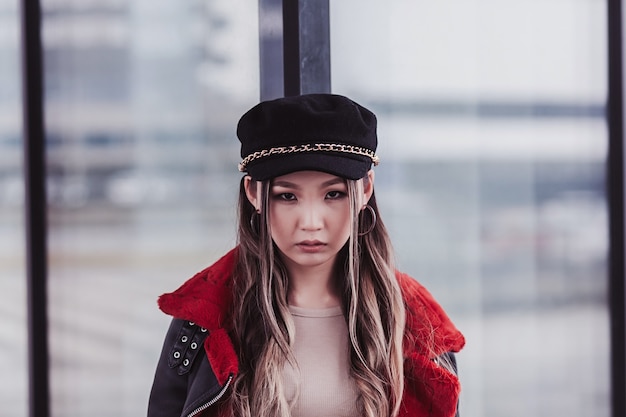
(318, 132)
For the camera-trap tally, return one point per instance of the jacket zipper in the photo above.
(213, 400)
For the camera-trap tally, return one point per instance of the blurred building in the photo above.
(493, 143)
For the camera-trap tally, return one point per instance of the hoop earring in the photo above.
(254, 224)
(372, 224)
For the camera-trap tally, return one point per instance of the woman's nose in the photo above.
(311, 217)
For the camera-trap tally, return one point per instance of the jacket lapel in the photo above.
(430, 390)
(206, 299)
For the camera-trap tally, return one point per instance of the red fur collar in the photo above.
(430, 390)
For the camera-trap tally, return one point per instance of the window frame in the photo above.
(283, 50)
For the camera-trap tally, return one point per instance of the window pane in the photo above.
(493, 144)
(13, 333)
(142, 103)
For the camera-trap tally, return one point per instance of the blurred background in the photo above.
(493, 144)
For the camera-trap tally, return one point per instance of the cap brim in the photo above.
(340, 166)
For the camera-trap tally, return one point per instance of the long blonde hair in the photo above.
(264, 332)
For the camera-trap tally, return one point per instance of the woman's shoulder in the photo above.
(205, 297)
(426, 318)
(415, 294)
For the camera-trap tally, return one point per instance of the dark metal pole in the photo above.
(294, 45)
(306, 40)
(615, 182)
(35, 208)
(291, 46)
(271, 48)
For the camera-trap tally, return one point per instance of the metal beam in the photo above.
(615, 189)
(306, 39)
(271, 49)
(35, 208)
(294, 45)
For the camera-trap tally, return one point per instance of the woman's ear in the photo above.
(368, 186)
(252, 192)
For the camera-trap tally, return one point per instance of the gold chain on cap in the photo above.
(316, 147)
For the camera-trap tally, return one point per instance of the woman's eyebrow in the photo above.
(333, 182)
(285, 184)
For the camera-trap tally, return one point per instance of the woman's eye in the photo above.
(286, 196)
(333, 195)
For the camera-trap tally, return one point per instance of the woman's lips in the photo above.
(310, 246)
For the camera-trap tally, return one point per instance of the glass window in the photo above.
(493, 144)
(13, 328)
(142, 101)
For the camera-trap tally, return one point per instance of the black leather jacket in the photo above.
(184, 383)
(197, 365)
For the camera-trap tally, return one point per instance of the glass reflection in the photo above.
(142, 99)
(13, 333)
(493, 144)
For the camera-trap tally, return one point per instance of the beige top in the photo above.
(322, 351)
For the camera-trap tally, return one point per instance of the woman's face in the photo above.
(309, 217)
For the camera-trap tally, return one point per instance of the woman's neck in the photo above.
(313, 288)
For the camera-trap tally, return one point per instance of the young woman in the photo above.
(307, 316)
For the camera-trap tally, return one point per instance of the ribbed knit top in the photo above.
(322, 351)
